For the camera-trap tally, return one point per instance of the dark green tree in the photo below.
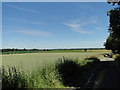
(113, 44)
(85, 50)
(113, 41)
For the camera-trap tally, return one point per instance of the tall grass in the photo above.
(64, 73)
(13, 77)
(47, 77)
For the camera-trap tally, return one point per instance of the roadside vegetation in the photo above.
(117, 60)
(113, 40)
(64, 73)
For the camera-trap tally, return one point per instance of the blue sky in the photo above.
(55, 25)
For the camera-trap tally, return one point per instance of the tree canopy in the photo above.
(113, 40)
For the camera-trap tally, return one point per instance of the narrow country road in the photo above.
(109, 76)
(106, 75)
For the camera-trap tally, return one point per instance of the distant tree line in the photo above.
(24, 49)
(15, 49)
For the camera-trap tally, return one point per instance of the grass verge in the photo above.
(64, 73)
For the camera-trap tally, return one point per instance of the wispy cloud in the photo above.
(33, 32)
(99, 28)
(25, 21)
(24, 9)
(78, 26)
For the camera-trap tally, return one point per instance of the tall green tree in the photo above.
(113, 41)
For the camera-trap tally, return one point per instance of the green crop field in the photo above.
(43, 70)
(30, 61)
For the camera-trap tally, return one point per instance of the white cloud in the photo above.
(80, 30)
(73, 25)
(33, 32)
(99, 28)
(78, 26)
(23, 9)
(25, 21)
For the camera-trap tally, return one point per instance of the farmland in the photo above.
(47, 51)
(29, 61)
(48, 70)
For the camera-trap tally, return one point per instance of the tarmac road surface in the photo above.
(106, 75)
(111, 76)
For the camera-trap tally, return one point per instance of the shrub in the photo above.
(94, 60)
(69, 71)
(117, 60)
(72, 70)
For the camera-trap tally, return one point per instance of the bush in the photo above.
(94, 60)
(117, 60)
(72, 70)
(69, 71)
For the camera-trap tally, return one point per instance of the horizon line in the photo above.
(56, 48)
